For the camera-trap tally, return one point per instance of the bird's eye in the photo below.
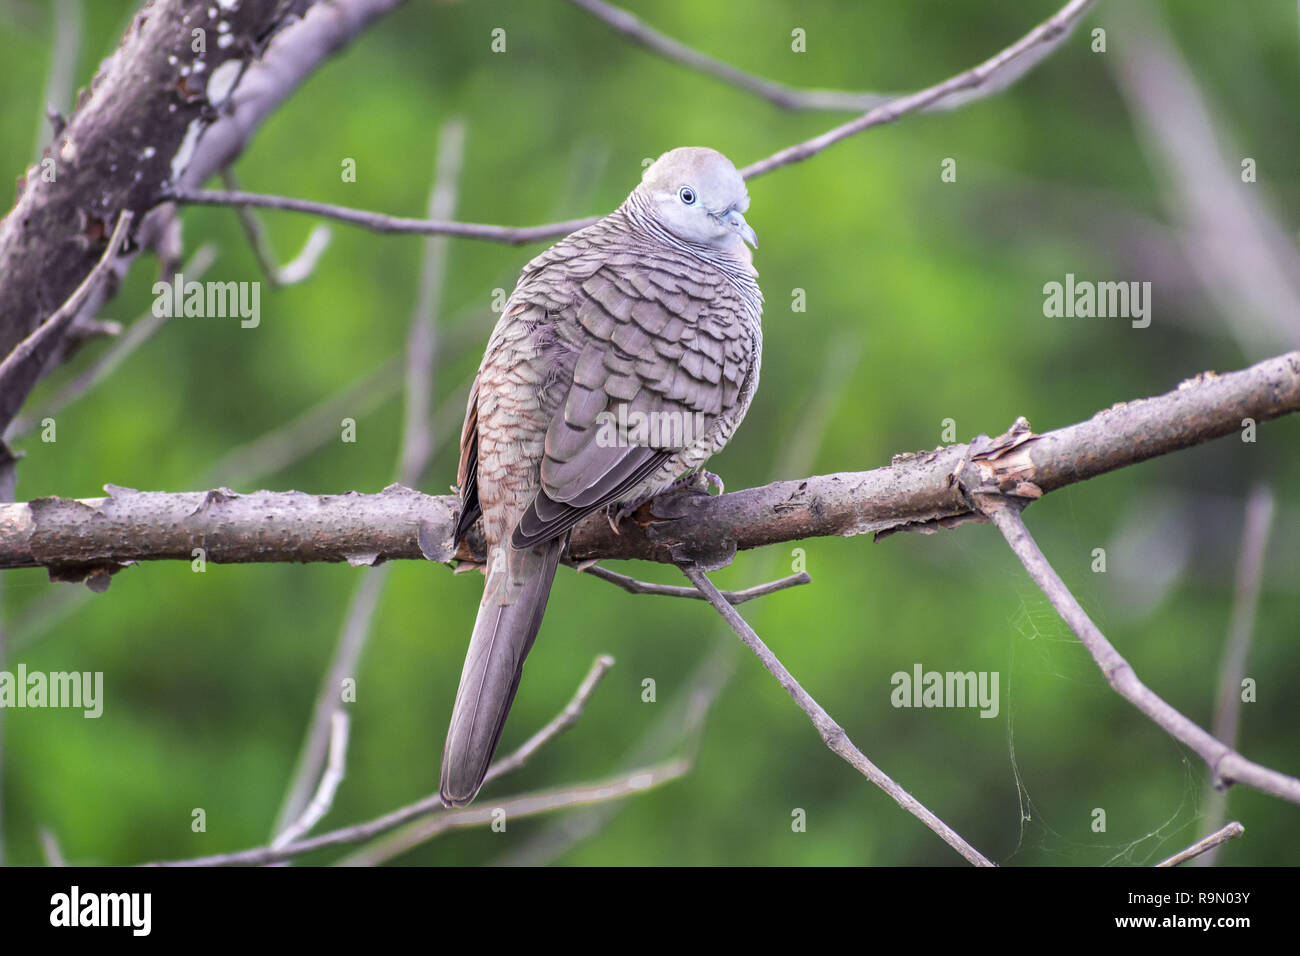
(687, 195)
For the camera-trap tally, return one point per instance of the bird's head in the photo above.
(698, 196)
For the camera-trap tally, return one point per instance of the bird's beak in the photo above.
(736, 221)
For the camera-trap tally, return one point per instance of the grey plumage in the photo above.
(648, 319)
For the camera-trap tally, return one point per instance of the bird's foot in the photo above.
(701, 480)
(615, 512)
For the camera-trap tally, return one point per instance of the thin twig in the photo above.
(544, 801)
(1051, 32)
(1227, 710)
(378, 222)
(831, 732)
(298, 268)
(410, 836)
(140, 331)
(679, 726)
(981, 79)
(560, 798)
(560, 723)
(1226, 765)
(58, 321)
(323, 799)
(1211, 842)
(633, 586)
(786, 97)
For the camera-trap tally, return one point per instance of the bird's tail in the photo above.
(503, 636)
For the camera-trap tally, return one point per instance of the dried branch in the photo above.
(918, 492)
(34, 349)
(544, 801)
(323, 799)
(415, 833)
(379, 222)
(633, 586)
(994, 74)
(786, 97)
(1050, 33)
(1227, 766)
(678, 726)
(298, 268)
(140, 331)
(138, 130)
(560, 723)
(831, 732)
(779, 94)
(1211, 842)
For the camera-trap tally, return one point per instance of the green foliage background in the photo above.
(926, 295)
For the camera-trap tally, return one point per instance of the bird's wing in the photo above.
(649, 338)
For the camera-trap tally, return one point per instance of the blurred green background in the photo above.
(924, 302)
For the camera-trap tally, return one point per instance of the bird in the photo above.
(626, 356)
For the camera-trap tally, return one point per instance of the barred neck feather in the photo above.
(639, 220)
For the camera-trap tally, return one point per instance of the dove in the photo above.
(626, 356)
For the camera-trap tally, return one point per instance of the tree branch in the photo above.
(790, 97)
(544, 801)
(1211, 842)
(831, 732)
(379, 222)
(1048, 34)
(1225, 764)
(991, 76)
(918, 492)
(633, 586)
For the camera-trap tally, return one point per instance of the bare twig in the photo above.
(680, 725)
(57, 323)
(415, 833)
(379, 222)
(292, 272)
(140, 331)
(1226, 765)
(831, 732)
(323, 799)
(1227, 710)
(988, 77)
(633, 586)
(1049, 33)
(1205, 844)
(779, 94)
(544, 801)
(560, 723)
(786, 97)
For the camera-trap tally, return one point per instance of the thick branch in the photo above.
(75, 538)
